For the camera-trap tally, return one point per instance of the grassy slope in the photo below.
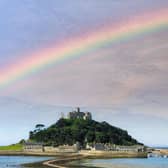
(15, 147)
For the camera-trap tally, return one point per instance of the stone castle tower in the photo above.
(77, 114)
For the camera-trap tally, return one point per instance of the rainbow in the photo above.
(79, 46)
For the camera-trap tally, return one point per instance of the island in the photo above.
(78, 136)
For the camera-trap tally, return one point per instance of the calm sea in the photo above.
(16, 161)
(127, 163)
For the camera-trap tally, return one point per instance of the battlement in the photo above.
(77, 114)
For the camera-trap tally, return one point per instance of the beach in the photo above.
(62, 160)
(81, 162)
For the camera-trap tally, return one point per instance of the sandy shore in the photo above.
(21, 153)
(160, 151)
(113, 154)
(63, 159)
(60, 162)
(85, 153)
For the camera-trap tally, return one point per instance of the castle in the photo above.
(77, 114)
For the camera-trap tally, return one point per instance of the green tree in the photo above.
(70, 131)
(39, 127)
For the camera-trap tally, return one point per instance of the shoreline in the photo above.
(45, 154)
(86, 153)
(64, 158)
(62, 163)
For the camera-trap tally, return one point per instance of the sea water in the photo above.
(16, 161)
(128, 163)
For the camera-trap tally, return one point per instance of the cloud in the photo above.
(112, 75)
(126, 78)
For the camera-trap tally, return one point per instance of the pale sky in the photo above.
(125, 84)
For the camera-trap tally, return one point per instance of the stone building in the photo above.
(62, 149)
(112, 147)
(77, 114)
(134, 148)
(40, 147)
(33, 147)
(68, 149)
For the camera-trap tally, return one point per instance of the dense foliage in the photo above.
(68, 131)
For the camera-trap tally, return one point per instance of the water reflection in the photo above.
(126, 163)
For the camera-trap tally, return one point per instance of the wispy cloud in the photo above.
(120, 83)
